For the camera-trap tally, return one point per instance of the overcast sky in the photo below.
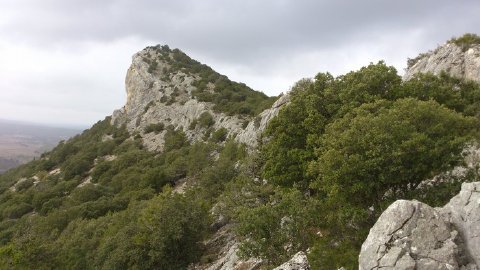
(63, 62)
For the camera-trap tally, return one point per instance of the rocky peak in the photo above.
(459, 57)
(166, 88)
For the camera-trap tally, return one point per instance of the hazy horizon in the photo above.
(45, 125)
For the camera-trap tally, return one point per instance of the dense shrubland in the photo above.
(342, 151)
(333, 159)
(125, 216)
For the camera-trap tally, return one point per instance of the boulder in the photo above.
(413, 235)
(463, 212)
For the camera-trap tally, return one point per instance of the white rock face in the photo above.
(298, 262)
(251, 133)
(148, 95)
(463, 211)
(413, 235)
(451, 59)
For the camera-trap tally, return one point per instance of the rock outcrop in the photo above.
(298, 262)
(224, 247)
(463, 211)
(159, 94)
(413, 235)
(450, 58)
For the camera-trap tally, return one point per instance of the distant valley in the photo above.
(21, 142)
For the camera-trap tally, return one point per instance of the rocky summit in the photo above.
(456, 58)
(167, 88)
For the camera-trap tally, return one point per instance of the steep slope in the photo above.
(166, 87)
(459, 57)
(93, 200)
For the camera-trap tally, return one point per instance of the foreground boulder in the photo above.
(413, 235)
(463, 212)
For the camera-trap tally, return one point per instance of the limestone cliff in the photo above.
(162, 91)
(452, 58)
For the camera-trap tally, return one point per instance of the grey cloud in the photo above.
(258, 40)
(227, 26)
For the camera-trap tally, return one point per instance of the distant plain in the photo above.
(21, 142)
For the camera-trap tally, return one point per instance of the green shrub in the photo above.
(206, 120)
(76, 167)
(174, 140)
(412, 61)
(153, 66)
(24, 185)
(154, 127)
(219, 135)
(165, 234)
(466, 41)
(17, 210)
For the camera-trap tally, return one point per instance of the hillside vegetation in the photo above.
(466, 41)
(342, 151)
(101, 201)
(333, 159)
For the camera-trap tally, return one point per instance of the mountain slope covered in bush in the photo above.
(335, 152)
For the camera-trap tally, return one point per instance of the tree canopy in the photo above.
(389, 147)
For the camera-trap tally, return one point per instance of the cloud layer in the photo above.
(64, 62)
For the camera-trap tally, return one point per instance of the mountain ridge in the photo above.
(176, 178)
(162, 92)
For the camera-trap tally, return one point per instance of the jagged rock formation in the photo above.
(413, 235)
(450, 58)
(298, 262)
(159, 93)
